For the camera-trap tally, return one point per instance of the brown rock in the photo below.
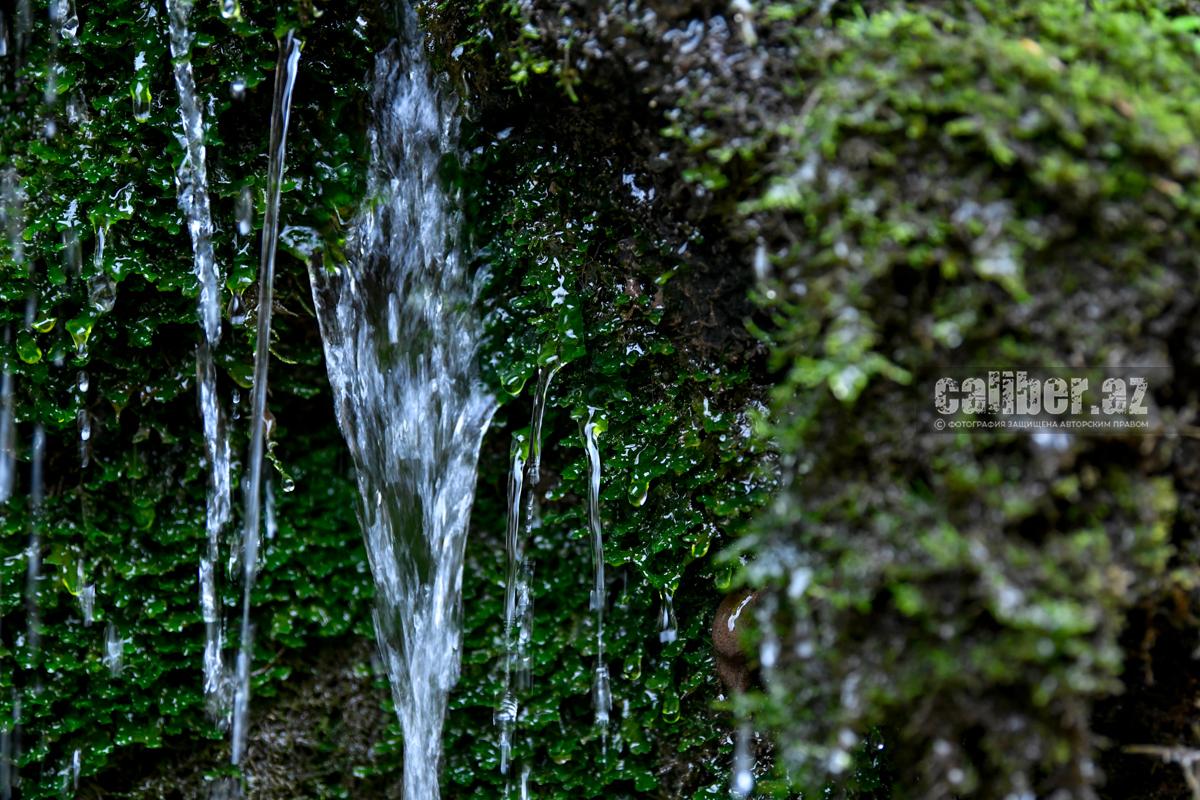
(729, 624)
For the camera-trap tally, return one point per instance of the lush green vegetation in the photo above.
(915, 185)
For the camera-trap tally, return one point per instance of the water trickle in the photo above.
(102, 290)
(407, 393)
(8, 455)
(114, 649)
(87, 604)
(192, 178)
(601, 693)
(8, 756)
(83, 420)
(34, 553)
(245, 211)
(669, 629)
(524, 475)
(742, 782)
(192, 184)
(285, 81)
(139, 94)
(272, 527)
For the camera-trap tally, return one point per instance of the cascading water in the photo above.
(401, 340)
(285, 81)
(193, 201)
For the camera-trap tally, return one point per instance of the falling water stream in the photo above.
(285, 81)
(601, 693)
(8, 456)
(524, 476)
(193, 200)
(401, 340)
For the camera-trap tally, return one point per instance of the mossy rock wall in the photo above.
(751, 234)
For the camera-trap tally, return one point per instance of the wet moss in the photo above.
(905, 187)
(919, 186)
(107, 272)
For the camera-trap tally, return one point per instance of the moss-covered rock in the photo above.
(900, 187)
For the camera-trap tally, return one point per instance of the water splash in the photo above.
(524, 475)
(192, 182)
(601, 693)
(285, 81)
(401, 339)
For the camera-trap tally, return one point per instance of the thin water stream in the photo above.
(601, 692)
(524, 476)
(192, 180)
(285, 82)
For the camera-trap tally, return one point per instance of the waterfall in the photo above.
(401, 339)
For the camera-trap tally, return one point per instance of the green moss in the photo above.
(120, 318)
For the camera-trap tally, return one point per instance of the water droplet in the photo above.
(237, 310)
(670, 706)
(669, 630)
(69, 26)
(237, 88)
(639, 490)
(231, 9)
(102, 293)
(633, 668)
(245, 211)
(142, 101)
(44, 324)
